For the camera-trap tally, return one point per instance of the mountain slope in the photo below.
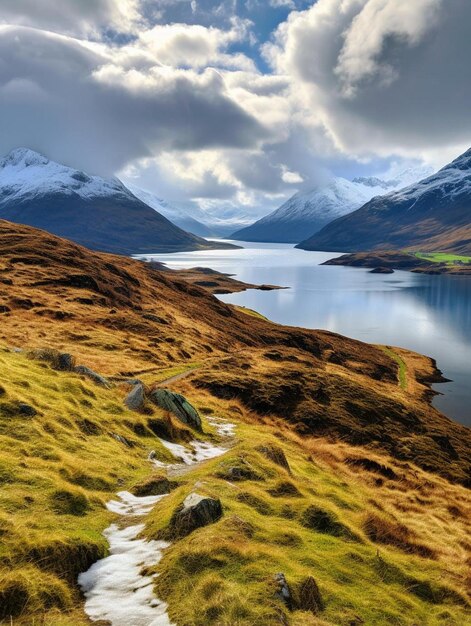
(101, 214)
(309, 211)
(433, 214)
(179, 217)
(339, 471)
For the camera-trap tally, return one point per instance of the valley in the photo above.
(336, 448)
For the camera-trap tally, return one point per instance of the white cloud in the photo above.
(73, 17)
(383, 76)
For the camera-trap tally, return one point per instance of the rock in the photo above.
(135, 399)
(152, 455)
(65, 362)
(382, 270)
(93, 376)
(275, 454)
(179, 406)
(283, 592)
(195, 511)
(309, 596)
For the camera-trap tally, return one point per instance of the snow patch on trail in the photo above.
(115, 588)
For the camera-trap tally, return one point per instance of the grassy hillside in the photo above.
(371, 508)
(385, 542)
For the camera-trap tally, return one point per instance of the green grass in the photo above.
(58, 468)
(402, 373)
(222, 574)
(252, 312)
(442, 257)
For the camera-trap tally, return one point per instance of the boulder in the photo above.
(178, 405)
(136, 398)
(282, 591)
(195, 511)
(382, 270)
(93, 376)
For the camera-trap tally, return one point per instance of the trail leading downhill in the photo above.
(117, 588)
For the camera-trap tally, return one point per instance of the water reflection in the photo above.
(429, 314)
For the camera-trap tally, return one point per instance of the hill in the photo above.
(99, 213)
(431, 215)
(340, 471)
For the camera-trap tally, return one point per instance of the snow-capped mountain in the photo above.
(183, 219)
(309, 211)
(433, 214)
(219, 221)
(96, 212)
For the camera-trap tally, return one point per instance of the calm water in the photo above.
(429, 314)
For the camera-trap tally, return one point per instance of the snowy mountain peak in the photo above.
(26, 174)
(23, 156)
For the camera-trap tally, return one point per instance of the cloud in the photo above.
(98, 108)
(382, 76)
(73, 17)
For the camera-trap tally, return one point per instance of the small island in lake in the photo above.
(419, 262)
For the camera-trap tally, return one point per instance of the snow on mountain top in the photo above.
(452, 180)
(25, 174)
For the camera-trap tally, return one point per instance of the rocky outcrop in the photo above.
(195, 511)
(283, 591)
(135, 400)
(178, 405)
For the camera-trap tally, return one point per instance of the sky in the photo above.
(236, 105)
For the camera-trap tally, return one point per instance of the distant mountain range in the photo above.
(433, 215)
(98, 213)
(205, 223)
(309, 211)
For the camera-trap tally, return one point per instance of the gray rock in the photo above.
(93, 376)
(195, 511)
(179, 406)
(282, 591)
(136, 398)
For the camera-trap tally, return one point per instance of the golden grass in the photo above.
(411, 570)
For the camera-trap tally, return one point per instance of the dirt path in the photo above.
(177, 377)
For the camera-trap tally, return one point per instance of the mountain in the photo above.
(181, 218)
(432, 215)
(310, 211)
(99, 213)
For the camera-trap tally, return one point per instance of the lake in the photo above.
(428, 314)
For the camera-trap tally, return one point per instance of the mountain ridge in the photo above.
(433, 214)
(309, 211)
(96, 212)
